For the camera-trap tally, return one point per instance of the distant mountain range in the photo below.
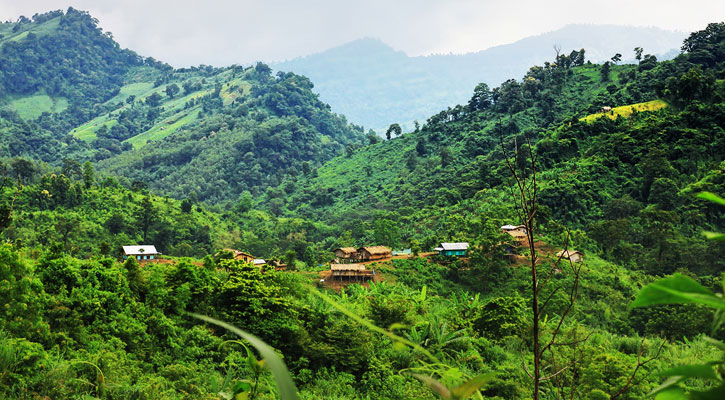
(375, 85)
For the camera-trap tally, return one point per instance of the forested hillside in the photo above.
(69, 91)
(616, 178)
(618, 153)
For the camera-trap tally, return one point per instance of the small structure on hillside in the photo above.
(571, 255)
(458, 249)
(404, 252)
(259, 262)
(372, 253)
(513, 228)
(605, 109)
(518, 232)
(144, 252)
(345, 253)
(239, 255)
(351, 272)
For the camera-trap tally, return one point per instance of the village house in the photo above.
(240, 255)
(345, 253)
(518, 232)
(571, 255)
(453, 249)
(141, 253)
(372, 253)
(259, 262)
(351, 272)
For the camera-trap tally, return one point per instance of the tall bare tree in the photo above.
(523, 167)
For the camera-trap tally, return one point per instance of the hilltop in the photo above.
(70, 91)
(374, 85)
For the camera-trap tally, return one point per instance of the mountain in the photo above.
(70, 91)
(663, 140)
(374, 85)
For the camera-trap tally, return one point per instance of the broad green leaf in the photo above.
(711, 197)
(285, 386)
(677, 289)
(241, 386)
(467, 389)
(435, 386)
(714, 236)
(704, 371)
(716, 393)
(673, 393)
(667, 388)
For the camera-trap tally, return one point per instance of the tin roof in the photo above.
(140, 250)
(455, 246)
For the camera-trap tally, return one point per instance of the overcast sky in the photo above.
(220, 32)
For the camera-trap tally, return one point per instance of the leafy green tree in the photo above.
(171, 90)
(393, 129)
(154, 100)
(604, 72)
(88, 175)
(146, 216)
(481, 99)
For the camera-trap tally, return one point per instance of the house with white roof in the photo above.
(140, 253)
(453, 249)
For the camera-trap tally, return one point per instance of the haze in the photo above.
(219, 33)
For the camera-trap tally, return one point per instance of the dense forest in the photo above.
(199, 160)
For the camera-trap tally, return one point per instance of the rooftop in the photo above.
(140, 250)
(455, 246)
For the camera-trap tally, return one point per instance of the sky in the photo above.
(223, 32)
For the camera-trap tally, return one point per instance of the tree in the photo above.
(525, 194)
(186, 206)
(638, 53)
(88, 175)
(146, 216)
(153, 100)
(130, 99)
(172, 90)
(617, 58)
(24, 169)
(481, 98)
(290, 257)
(446, 157)
(393, 129)
(372, 138)
(606, 67)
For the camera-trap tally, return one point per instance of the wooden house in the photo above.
(458, 249)
(240, 255)
(351, 272)
(345, 253)
(571, 255)
(513, 228)
(144, 252)
(372, 253)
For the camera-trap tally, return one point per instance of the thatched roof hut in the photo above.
(369, 253)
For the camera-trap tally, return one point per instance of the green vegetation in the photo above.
(255, 162)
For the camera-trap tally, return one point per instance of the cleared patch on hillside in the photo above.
(626, 111)
(43, 29)
(31, 107)
(164, 128)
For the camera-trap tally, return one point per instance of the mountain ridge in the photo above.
(401, 88)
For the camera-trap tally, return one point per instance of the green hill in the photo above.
(69, 91)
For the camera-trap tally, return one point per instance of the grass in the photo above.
(45, 28)
(31, 107)
(626, 111)
(164, 128)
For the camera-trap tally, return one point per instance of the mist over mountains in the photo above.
(374, 85)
